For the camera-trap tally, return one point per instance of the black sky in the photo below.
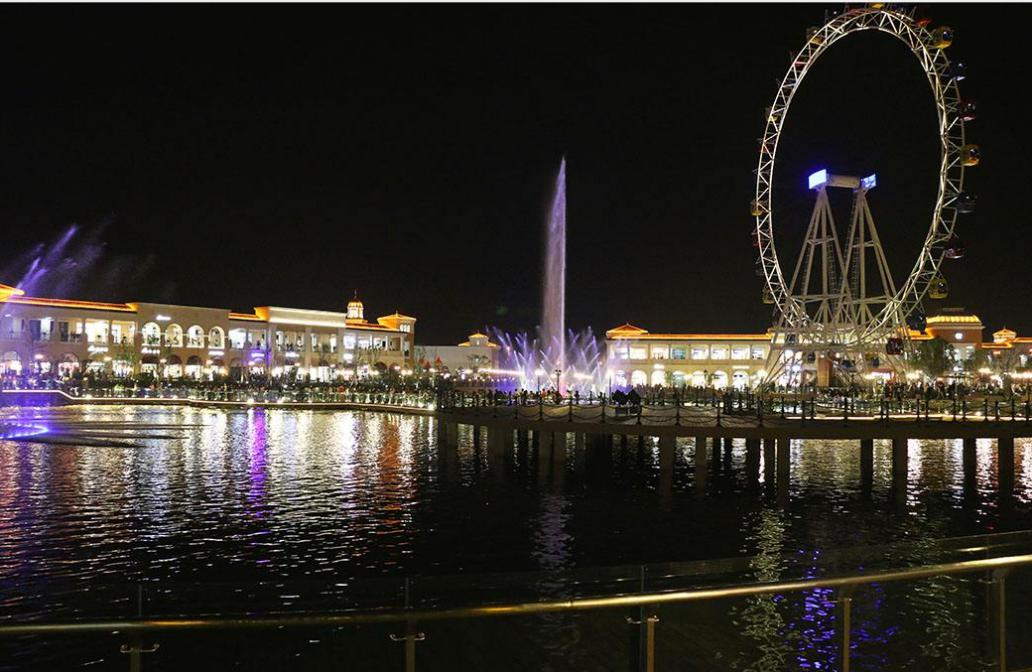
(287, 155)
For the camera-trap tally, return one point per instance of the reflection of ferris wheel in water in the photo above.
(829, 308)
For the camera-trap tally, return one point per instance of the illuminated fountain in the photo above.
(557, 356)
(75, 263)
(553, 297)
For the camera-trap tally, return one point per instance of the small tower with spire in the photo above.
(356, 311)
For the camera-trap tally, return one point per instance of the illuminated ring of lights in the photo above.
(923, 43)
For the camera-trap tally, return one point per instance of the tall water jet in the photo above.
(573, 360)
(553, 301)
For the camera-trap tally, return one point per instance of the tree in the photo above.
(935, 357)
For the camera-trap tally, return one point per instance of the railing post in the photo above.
(847, 608)
(135, 648)
(643, 642)
(411, 636)
(998, 618)
(650, 642)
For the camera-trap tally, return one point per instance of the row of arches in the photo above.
(717, 379)
(174, 336)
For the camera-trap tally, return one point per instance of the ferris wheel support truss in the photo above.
(836, 290)
(928, 46)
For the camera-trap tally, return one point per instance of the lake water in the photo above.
(288, 500)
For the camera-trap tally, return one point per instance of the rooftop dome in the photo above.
(356, 311)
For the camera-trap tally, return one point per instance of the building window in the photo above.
(237, 337)
(96, 331)
(349, 341)
(639, 378)
(718, 352)
(173, 336)
(740, 352)
(959, 336)
(759, 352)
(638, 352)
(700, 352)
(151, 334)
(619, 352)
(660, 352)
(659, 378)
(677, 353)
(407, 328)
(195, 337)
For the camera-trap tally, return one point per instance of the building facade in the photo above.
(635, 357)
(61, 337)
(475, 354)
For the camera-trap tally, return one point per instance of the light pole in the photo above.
(558, 372)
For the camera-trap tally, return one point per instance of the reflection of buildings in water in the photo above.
(940, 615)
(551, 541)
(257, 466)
(762, 615)
(1023, 471)
(557, 635)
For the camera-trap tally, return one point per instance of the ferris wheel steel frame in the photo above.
(932, 58)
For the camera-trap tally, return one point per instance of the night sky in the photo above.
(236, 156)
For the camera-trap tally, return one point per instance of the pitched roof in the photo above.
(625, 329)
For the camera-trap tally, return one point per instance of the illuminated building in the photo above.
(635, 356)
(62, 336)
(477, 353)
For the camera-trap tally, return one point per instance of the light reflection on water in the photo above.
(269, 495)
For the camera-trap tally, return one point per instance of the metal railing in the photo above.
(703, 407)
(1005, 552)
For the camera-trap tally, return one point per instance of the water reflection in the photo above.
(265, 495)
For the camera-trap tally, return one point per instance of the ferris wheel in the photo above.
(903, 306)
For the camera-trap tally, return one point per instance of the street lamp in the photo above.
(558, 372)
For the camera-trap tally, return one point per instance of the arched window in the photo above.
(740, 380)
(639, 378)
(194, 367)
(173, 367)
(195, 337)
(619, 379)
(678, 378)
(174, 336)
(151, 333)
(659, 377)
(719, 379)
(216, 338)
(698, 379)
